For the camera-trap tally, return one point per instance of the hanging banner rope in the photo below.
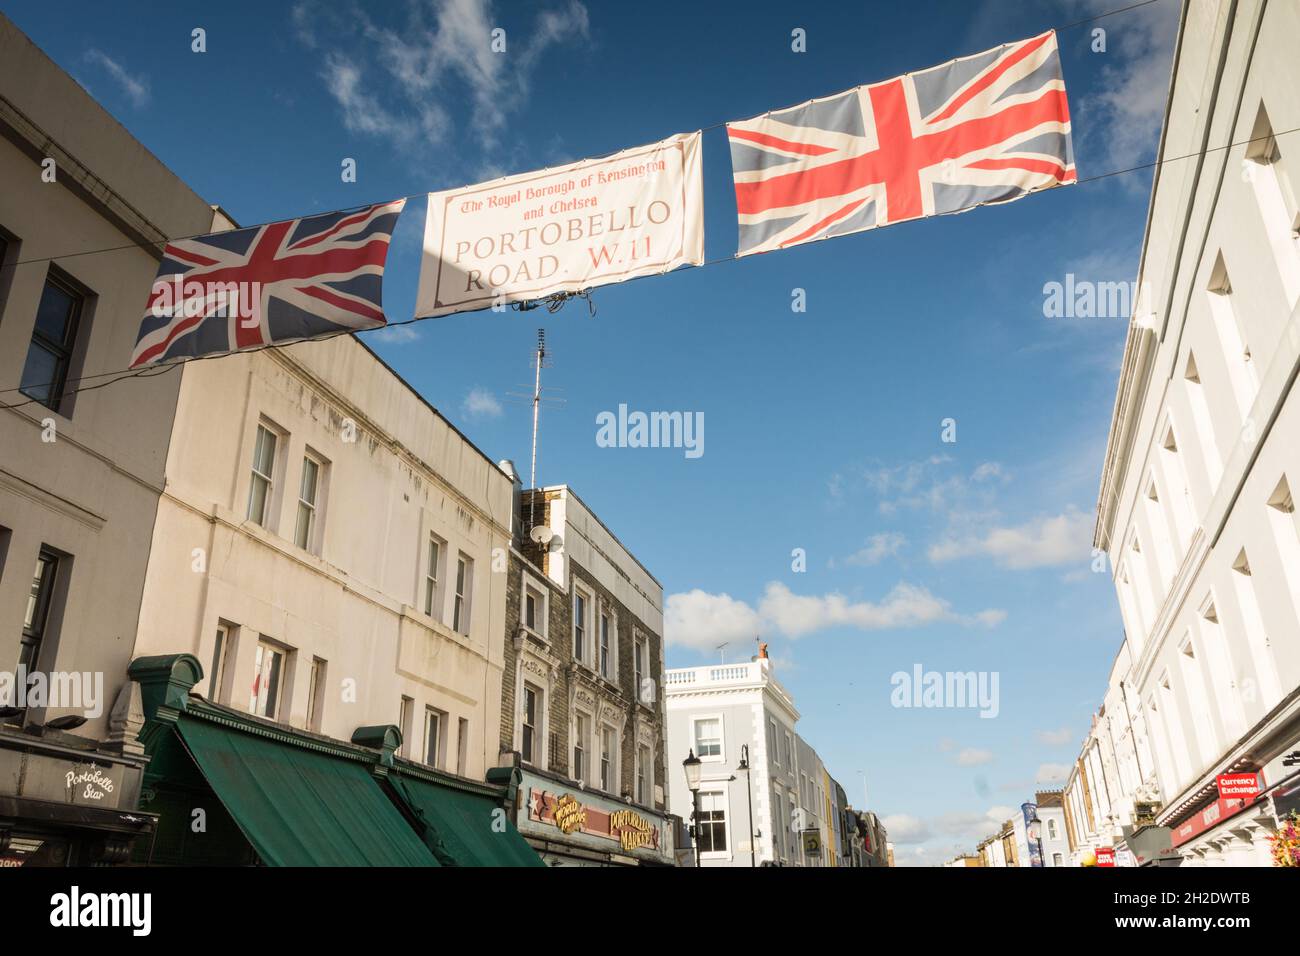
(638, 212)
(983, 129)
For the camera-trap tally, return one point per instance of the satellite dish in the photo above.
(541, 534)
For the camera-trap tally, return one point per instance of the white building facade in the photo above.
(81, 461)
(715, 711)
(326, 547)
(1196, 508)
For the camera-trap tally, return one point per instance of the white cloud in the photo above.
(1121, 114)
(136, 88)
(795, 615)
(904, 828)
(1041, 542)
(442, 53)
(1052, 773)
(480, 403)
(878, 547)
(703, 621)
(1056, 738)
(396, 334)
(974, 757)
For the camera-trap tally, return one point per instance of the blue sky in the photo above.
(822, 428)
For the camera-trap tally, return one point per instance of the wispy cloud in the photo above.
(974, 757)
(136, 88)
(1056, 738)
(1118, 120)
(395, 81)
(395, 334)
(1052, 773)
(481, 403)
(878, 547)
(1049, 541)
(702, 620)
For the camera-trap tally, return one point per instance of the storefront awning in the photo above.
(299, 806)
(464, 827)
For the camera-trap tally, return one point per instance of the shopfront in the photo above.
(231, 789)
(571, 826)
(65, 803)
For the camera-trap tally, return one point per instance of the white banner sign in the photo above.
(590, 223)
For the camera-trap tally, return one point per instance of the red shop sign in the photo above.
(1105, 856)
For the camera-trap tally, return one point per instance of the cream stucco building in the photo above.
(1196, 507)
(333, 551)
(81, 466)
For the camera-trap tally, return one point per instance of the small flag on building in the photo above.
(987, 128)
(281, 282)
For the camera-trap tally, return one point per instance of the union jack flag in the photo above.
(984, 129)
(281, 282)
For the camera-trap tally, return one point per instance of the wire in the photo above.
(552, 302)
(421, 195)
(556, 300)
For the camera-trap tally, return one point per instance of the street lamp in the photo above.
(692, 767)
(743, 767)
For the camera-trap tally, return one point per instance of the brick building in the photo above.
(581, 710)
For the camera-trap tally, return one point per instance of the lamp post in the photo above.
(692, 767)
(743, 767)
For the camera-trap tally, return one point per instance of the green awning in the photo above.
(301, 807)
(465, 829)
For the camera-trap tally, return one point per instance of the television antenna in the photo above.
(540, 535)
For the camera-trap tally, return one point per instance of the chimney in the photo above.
(508, 466)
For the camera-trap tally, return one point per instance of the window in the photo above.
(1051, 829)
(580, 730)
(608, 758)
(263, 483)
(643, 771)
(606, 665)
(220, 655)
(268, 678)
(530, 729)
(771, 742)
(778, 829)
(789, 751)
(638, 654)
(1252, 621)
(464, 589)
(49, 357)
(534, 609)
(432, 568)
(405, 718)
(1056, 860)
(708, 738)
(711, 827)
(1276, 201)
(1242, 374)
(316, 694)
(435, 725)
(579, 626)
(304, 532)
(37, 617)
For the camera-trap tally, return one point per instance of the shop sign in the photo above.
(812, 842)
(1238, 785)
(1105, 856)
(88, 784)
(1210, 817)
(629, 829)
